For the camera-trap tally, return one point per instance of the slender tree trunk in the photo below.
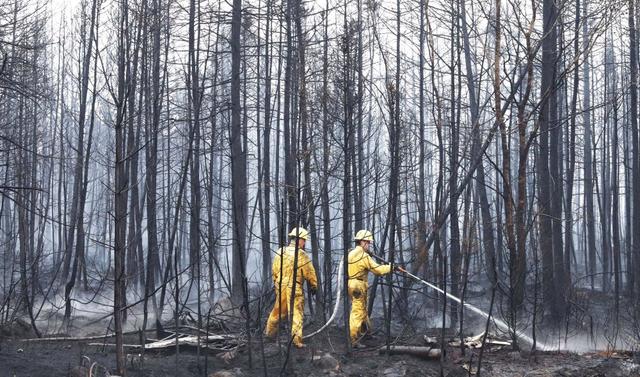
(571, 150)
(614, 183)
(240, 293)
(151, 157)
(213, 211)
(357, 159)
(421, 227)
(309, 203)
(488, 238)
(290, 153)
(134, 270)
(605, 212)
(77, 186)
(193, 85)
(635, 153)
(588, 161)
(546, 119)
(524, 146)
(555, 166)
(266, 154)
(346, 185)
(630, 276)
(80, 243)
(393, 94)
(324, 194)
(453, 165)
(121, 191)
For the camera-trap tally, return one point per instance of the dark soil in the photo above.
(325, 355)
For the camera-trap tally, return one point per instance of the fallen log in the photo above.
(76, 338)
(423, 352)
(212, 342)
(105, 336)
(476, 342)
(430, 341)
(192, 340)
(112, 345)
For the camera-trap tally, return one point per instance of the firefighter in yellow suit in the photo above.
(283, 268)
(360, 263)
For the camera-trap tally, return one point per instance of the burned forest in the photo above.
(324, 188)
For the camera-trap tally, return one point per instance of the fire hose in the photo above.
(335, 308)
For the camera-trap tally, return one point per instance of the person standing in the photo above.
(283, 267)
(360, 263)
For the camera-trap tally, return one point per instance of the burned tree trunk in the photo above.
(635, 153)
(78, 180)
(547, 117)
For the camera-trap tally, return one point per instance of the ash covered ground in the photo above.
(325, 355)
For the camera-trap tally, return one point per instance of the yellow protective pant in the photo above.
(280, 311)
(359, 315)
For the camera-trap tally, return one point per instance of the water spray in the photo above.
(499, 323)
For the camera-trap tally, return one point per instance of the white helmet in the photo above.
(363, 235)
(299, 232)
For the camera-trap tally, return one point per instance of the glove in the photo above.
(313, 291)
(397, 268)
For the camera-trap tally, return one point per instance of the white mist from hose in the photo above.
(499, 323)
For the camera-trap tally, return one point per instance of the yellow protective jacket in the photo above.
(282, 268)
(360, 263)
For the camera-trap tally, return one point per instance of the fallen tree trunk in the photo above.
(212, 342)
(113, 345)
(423, 352)
(76, 338)
(107, 336)
(225, 342)
(476, 342)
(430, 341)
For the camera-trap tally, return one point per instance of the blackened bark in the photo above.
(571, 149)
(346, 186)
(266, 154)
(635, 153)
(289, 133)
(121, 187)
(546, 120)
(615, 191)
(453, 163)
(488, 234)
(238, 169)
(77, 185)
(555, 169)
(151, 157)
(324, 194)
(588, 163)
